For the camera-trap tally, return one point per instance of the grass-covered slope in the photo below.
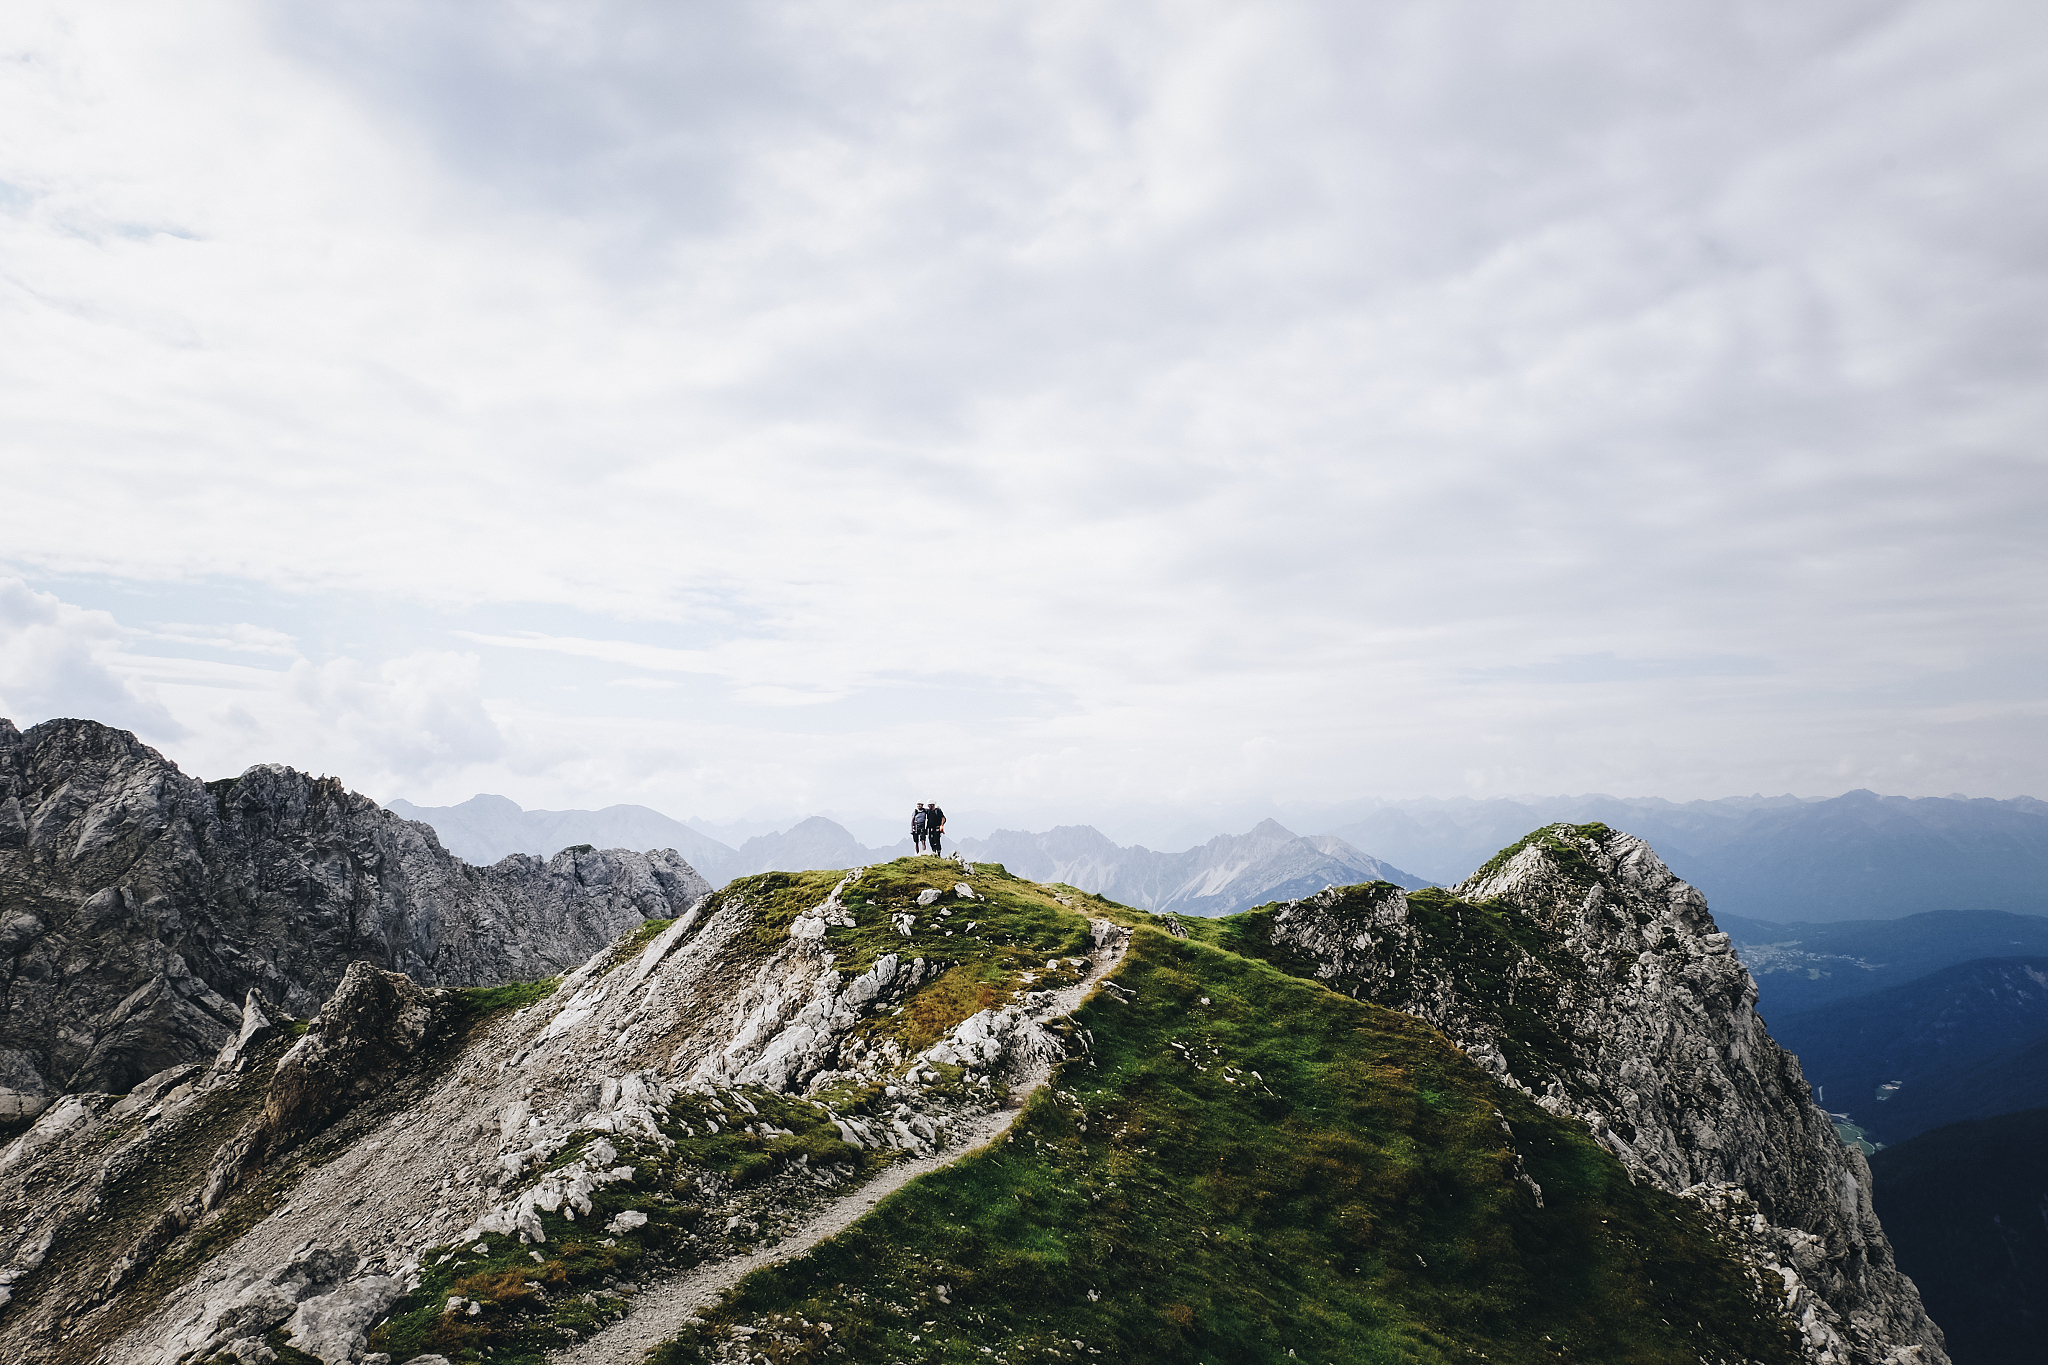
(1248, 1166)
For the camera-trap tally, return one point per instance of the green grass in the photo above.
(534, 1298)
(532, 1306)
(1303, 1174)
(468, 1005)
(649, 930)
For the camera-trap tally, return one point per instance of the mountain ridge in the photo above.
(1225, 874)
(140, 907)
(1234, 1157)
(486, 828)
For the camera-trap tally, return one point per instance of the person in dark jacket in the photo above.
(934, 825)
(918, 825)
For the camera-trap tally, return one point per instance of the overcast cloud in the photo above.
(1061, 410)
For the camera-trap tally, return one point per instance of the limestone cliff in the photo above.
(1577, 967)
(139, 907)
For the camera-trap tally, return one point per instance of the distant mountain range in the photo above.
(1231, 872)
(1858, 856)
(1922, 1037)
(1227, 874)
(484, 829)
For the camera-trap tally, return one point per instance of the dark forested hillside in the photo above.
(1872, 1056)
(1967, 1210)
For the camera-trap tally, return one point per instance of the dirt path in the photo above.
(660, 1310)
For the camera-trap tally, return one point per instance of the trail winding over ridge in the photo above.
(661, 1310)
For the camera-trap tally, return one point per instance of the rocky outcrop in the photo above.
(314, 1172)
(138, 905)
(1576, 966)
(360, 1038)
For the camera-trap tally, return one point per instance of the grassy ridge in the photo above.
(1251, 1167)
(1489, 947)
(980, 950)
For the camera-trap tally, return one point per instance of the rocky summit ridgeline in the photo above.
(927, 1110)
(139, 907)
(1579, 971)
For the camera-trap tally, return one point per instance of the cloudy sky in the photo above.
(1069, 411)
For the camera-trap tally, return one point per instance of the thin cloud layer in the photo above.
(776, 406)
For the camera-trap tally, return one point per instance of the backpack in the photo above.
(919, 820)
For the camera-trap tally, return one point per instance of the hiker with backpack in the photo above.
(919, 823)
(934, 825)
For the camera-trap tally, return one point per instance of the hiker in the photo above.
(919, 822)
(934, 825)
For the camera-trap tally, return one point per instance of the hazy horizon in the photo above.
(1163, 833)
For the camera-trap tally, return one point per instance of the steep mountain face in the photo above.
(918, 1111)
(1576, 967)
(1801, 966)
(1967, 1207)
(1231, 872)
(486, 828)
(139, 908)
(1868, 1053)
(1856, 856)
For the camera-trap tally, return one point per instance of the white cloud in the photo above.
(238, 638)
(1084, 405)
(54, 663)
(410, 719)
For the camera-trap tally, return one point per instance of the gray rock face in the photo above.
(1580, 969)
(138, 906)
(358, 1040)
(313, 1180)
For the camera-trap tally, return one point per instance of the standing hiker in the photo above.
(934, 825)
(919, 823)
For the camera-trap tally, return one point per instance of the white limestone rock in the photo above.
(334, 1326)
(1665, 1058)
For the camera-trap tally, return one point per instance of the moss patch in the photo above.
(469, 1005)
